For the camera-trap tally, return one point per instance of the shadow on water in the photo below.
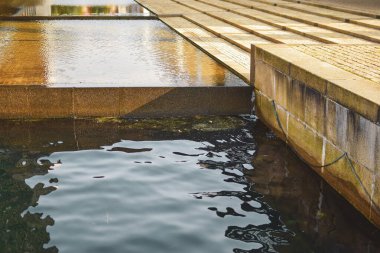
(303, 213)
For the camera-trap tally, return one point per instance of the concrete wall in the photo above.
(320, 129)
(39, 102)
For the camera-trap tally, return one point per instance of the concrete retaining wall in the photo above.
(39, 102)
(320, 127)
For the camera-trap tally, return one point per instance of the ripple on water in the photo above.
(140, 207)
(104, 53)
(171, 191)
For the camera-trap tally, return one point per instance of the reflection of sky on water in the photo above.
(148, 195)
(85, 186)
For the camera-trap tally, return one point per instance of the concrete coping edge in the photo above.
(352, 91)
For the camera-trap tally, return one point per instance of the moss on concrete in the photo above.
(197, 123)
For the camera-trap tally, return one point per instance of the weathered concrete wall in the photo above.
(39, 102)
(321, 122)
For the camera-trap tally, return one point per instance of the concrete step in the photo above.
(165, 7)
(306, 30)
(263, 30)
(232, 34)
(233, 57)
(210, 41)
(369, 34)
(320, 11)
(366, 13)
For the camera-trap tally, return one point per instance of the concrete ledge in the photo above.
(315, 148)
(206, 41)
(356, 93)
(344, 16)
(338, 8)
(36, 18)
(321, 120)
(38, 102)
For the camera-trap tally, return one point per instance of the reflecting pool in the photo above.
(215, 184)
(72, 8)
(104, 53)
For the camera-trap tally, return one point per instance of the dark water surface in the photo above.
(176, 185)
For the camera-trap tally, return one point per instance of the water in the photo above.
(104, 53)
(217, 184)
(72, 8)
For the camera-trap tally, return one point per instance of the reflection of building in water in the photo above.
(184, 59)
(37, 10)
(268, 237)
(51, 9)
(7, 10)
(57, 10)
(23, 60)
(307, 205)
(52, 52)
(132, 8)
(15, 197)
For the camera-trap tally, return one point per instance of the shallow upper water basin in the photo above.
(216, 184)
(77, 8)
(104, 53)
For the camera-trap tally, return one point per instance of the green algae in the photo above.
(108, 120)
(197, 123)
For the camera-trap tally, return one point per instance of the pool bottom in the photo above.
(205, 184)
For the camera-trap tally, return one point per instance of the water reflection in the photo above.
(132, 9)
(22, 231)
(104, 53)
(17, 3)
(271, 235)
(12, 7)
(309, 207)
(72, 8)
(208, 184)
(22, 49)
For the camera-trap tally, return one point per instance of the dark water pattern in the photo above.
(175, 185)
